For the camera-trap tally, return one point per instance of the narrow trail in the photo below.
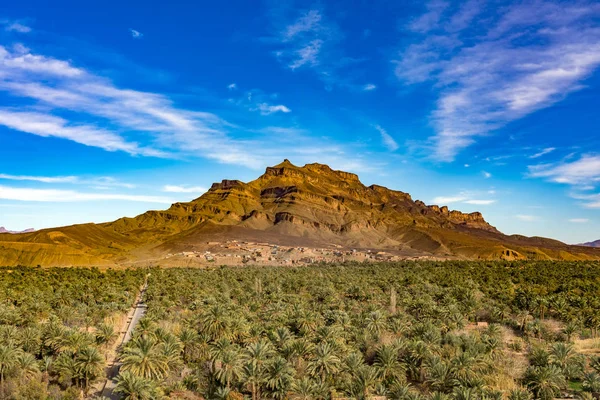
(135, 314)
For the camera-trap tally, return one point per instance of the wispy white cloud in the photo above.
(486, 174)
(102, 182)
(17, 27)
(18, 63)
(51, 126)
(369, 87)
(442, 200)
(430, 19)
(44, 179)
(466, 197)
(65, 101)
(267, 109)
(508, 64)
(183, 189)
(136, 34)
(545, 151)
(527, 218)
(232, 86)
(582, 174)
(589, 200)
(308, 39)
(579, 220)
(387, 139)
(57, 195)
(584, 171)
(480, 202)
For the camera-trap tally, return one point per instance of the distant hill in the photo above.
(311, 205)
(591, 244)
(4, 230)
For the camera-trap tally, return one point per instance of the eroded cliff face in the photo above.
(289, 203)
(314, 197)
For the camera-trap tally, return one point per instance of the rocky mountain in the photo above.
(311, 205)
(591, 244)
(4, 230)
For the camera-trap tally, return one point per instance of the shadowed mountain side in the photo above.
(591, 244)
(288, 205)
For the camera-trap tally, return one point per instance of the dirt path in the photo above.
(112, 370)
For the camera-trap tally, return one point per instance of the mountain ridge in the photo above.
(311, 205)
(595, 243)
(4, 230)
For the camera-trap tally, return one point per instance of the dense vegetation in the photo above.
(55, 327)
(410, 330)
(427, 330)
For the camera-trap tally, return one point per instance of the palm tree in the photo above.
(228, 367)
(256, 356)
(564, 357)
(253, 376)
(545, 382)
(303, 389)
(570, 329)
(280, 376)
(387, 363)
(466, 367)
(439, 375)
(143, 357)
(520, 394)
(8, 359)
(375, 322)
(31, 340)
(591, 382)
(595, 364)
(462, 393)
(171, 349)
(365, 379)
(189, 339)
(134, 387)
(105, 334)
(324, 362)
(66, 368)
(27, 365)
(90, 365)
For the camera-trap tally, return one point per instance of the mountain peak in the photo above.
(313, 206)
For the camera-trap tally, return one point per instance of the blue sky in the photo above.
(113, 108)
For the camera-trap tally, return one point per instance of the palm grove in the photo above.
(418, 331)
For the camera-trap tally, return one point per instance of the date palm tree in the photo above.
(280, 376)
(105, 335)
(143, 357)
(439, 375)
(27, 365)
(520, 394)
(90, 365)
(303, 389)
(256, 356)
(389, 368)
(324, 362)
(545, 382)
(134, 387)
(228, 367)
(591, 382)
(8, 360)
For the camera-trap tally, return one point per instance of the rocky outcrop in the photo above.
(289, 204)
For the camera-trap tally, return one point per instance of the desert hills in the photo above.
(312, 205)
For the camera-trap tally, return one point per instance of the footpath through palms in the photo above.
(133, 318)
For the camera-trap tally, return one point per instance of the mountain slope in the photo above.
(591, 244)
(309, 206)
(4, 230)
